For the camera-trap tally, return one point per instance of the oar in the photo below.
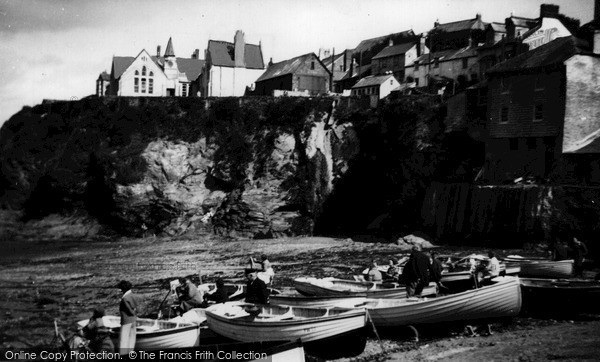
(163, 302)
(374, 330)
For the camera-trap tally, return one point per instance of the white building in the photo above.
(155, 76)
(231, 67)
(547, 30)
(378, 85)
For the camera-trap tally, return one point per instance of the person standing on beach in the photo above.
(128, 309)
(416, 272)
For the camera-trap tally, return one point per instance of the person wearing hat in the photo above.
(128, 309)
(219, 295)
(416, 272)
(97, 333)
(256, 289)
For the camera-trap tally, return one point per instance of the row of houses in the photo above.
(451, 55)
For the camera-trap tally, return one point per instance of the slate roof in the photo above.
(289, 66)
(104, 76)
(460, 25)
(370, 43)
(446, 55)
(191, 67)
(523, 22)
(498, 27)
(554, 52)
(394, 50)
(222, 54)
(372, 80)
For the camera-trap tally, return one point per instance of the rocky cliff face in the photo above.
(245, 167)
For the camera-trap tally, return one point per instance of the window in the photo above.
(391, 82)
(150, 85)
(184, 89)
(504, 115)
(513, 144)
(531, 143)
(504, 88)
(436, 62)
(143, 70)
(136, 85)
(312, 65)
(538, 112)
(341, 68)
(136, 72)
(417, 65)
(143, 85)
(151, 74)
(465, 63)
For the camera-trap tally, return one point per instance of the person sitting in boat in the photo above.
(374, 275)
(97, 333)
(256, 289)
(416, 272)
(219, 295)
(436, 269)
(188, 294)
(393, 270)
(264, 268)
(579, 251)
(492, 267)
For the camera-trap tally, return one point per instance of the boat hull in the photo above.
(299, 300)
(308, 330)
(567, 296)
(502, 299)
(340, 287)
(544, 268)
(168, 335)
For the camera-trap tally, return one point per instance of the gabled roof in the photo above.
(289, 66)
(394, 50)
(373, 80)
(222, 54)
(401, 37)
(523, 22)
(104, 76)
(498, 27)
(120, 65)
(446, 55)
(554, 52)
(469, 24)
(191, 67)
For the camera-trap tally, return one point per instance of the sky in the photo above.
(55, 49)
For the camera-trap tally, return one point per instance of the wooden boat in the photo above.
(332, 286)
(299, 300)
(458, 274)
(153, 334)
(249, 322)
(501, 299)
(567, 296)
(541, 268)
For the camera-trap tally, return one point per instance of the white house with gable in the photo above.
(231, 67)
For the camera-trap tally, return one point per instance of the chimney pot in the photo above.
(271, 61)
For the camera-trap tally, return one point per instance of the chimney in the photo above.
(437, 23)
(421, 46)
(596, 41)
(158, 51)
(271, 61)
(239, 49)
(548, 11)
(470, 42)
(196, 54)
(478, 16)
(391, 43)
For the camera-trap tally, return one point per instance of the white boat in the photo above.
(153, 334)
(459, 274)
(501, 299)
(299, 300)
(249, 322)
(332, 286)
(541, 268)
